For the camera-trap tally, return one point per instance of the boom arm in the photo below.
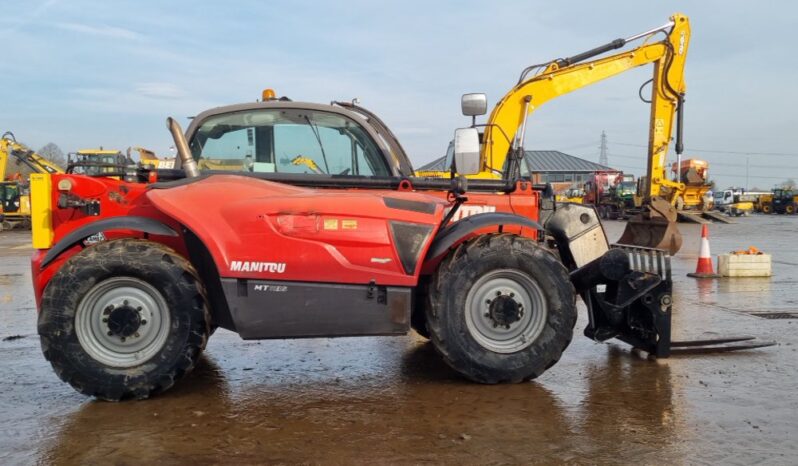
(566, 75)
(9, 147)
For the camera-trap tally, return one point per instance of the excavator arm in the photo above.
(503, 141)
(9, 147)
(504, 129)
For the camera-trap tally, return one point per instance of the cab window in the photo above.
(287, 141)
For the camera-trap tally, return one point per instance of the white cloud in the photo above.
(103, 30)
(160, 90)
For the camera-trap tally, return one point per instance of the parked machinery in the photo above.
(784, 201)
(739, 201)
(734, 202)
(14, 193)
(131, 275)
(603, 191)
(574, 194)
(100, 161)
(694, 175)
(148, 158)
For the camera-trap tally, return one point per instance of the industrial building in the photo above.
(546, 166)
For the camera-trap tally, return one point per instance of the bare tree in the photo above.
(53, 153)
(789, 184)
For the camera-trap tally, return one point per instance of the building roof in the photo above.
(540, 161)
(436, 165)
(548, 161)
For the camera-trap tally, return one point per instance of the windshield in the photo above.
(286, 141)
(724, 197)
(627, 187)
(95, 164)
(9, 197)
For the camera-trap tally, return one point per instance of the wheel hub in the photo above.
(123, 321)
(505, 311)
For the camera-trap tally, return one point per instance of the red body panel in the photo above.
(309, 235)
(259, 229)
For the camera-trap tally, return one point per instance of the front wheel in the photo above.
(502, 309)
(124, 319)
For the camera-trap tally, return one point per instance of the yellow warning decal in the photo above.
(349, 224)
(330, 223)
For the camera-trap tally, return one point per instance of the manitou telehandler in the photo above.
(131, 275)
(316, 227)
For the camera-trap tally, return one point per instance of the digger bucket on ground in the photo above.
(654, 228)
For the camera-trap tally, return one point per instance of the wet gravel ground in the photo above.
(365, 400)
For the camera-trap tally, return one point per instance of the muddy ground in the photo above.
(392, 399)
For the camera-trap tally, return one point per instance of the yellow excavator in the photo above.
(502, 149)
(149, 159)
(14, 195)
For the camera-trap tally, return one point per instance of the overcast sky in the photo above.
(83, 73)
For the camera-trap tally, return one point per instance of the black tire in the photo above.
(418, 322)
(457, 281)
(767, 209)
(184, 319)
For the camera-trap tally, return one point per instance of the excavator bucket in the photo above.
(655, 228)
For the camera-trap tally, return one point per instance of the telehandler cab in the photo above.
(132, 275)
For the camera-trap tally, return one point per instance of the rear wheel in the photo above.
(790, 209)
(502, 309)
(767, 209)
(124, 319)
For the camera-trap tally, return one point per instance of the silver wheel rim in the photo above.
(484, 323)
(122, 299)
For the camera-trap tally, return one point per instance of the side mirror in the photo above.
(474, 104)
(466, 151)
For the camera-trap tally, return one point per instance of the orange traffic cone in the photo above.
(703, 268)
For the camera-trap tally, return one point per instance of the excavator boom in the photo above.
(503, 140)
(9, 147)
(14, 197)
